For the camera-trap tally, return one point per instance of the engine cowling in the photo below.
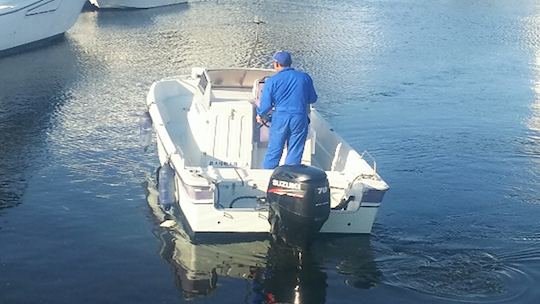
(299, 198)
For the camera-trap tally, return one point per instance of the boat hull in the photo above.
(32, 21)
(134, 3)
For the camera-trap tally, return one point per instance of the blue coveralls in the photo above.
(290, 92)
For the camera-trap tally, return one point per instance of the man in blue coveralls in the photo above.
(289, 92)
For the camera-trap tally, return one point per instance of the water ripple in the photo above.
(458, 275)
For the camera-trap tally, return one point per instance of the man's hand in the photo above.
(259, 119)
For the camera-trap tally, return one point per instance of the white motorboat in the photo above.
(134, 3)
(26, 21)
(209, 141)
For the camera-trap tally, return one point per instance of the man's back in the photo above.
(289, 91)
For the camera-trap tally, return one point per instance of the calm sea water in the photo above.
(445, 95)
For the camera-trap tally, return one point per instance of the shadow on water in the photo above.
(135, 18)
(33, 85)
(273, 273)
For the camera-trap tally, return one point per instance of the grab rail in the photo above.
(372, 159)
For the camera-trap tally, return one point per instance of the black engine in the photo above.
(299, 198)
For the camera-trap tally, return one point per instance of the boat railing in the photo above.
(373, 161)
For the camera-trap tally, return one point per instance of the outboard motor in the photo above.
(299, 198)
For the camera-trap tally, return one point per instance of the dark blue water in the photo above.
(445, 95)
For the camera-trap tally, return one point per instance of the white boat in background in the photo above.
(26, 21)
(134, 3)
(208, 138)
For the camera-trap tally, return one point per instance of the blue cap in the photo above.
(283, 58)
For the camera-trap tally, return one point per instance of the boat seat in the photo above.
(231, 125)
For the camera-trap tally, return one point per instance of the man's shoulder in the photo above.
(304, 76)
(301, 73)
(289, 74)
(298, 73)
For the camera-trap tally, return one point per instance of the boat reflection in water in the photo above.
(291, 277)
(34, 86)
(275, 272)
